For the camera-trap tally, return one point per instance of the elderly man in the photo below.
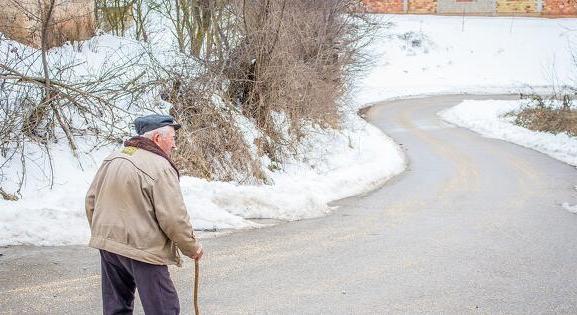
(139, 221)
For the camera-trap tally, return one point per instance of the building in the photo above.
(545, 8)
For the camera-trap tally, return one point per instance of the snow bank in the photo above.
(331, 165)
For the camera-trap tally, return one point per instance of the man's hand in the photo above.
(198, 253)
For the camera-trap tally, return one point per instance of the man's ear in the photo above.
(156, 138)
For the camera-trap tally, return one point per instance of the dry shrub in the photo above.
(278, 59)
(209, 144)
(543, 115)
(115, 16)
(211, 147)
(275, 59)
(554, 120)
(294, 57)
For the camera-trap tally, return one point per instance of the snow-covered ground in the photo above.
(418, 55)
(426, 55)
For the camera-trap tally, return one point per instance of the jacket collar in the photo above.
(148, 145)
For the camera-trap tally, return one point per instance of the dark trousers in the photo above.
(122, 275)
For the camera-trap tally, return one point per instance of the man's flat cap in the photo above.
(150, 122)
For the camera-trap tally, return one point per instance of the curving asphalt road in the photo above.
(474, 226)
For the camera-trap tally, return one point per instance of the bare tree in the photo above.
(45, 98)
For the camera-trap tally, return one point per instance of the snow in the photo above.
(331, 165)
(567, 206)
(481, 55)
(419, 55)
(570, 208)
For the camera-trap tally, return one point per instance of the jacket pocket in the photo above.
(116, 233)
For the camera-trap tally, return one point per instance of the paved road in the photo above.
(473, 226)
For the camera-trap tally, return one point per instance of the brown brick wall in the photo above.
(516, 6)
(71, 20)
(560, 7)
(503, 7)
(384, 6)
(422, 6)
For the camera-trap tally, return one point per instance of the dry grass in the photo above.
(549, 120)
(210, 145)
(543, 115)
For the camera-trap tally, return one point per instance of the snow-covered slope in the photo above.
(424, 55)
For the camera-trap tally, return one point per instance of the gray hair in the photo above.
(163, 131)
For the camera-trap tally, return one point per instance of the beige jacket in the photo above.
(135, 209)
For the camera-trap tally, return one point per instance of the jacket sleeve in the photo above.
(171, 212)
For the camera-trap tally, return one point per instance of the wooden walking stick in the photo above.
(195, 297)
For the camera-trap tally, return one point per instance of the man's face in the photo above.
(166, 142)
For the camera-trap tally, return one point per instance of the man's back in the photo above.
(139, 221)
(133, 199)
